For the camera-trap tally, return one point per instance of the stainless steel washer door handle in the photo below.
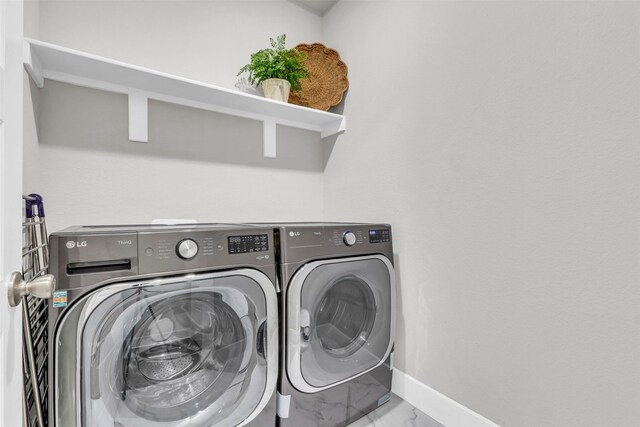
(40, 287)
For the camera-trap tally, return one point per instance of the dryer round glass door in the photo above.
(188, 351)
(339, 320)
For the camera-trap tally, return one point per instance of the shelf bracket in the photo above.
(32, 65)
(335, 128)
(269, 138)
(138, 117)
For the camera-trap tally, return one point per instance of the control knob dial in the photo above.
(349, 238)
(187, 249)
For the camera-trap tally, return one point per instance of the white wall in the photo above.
(31, 151)
(501, 141)
(204, 40)
(197, 164)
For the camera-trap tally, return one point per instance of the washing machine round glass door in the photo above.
(195, 351)
(340, 320)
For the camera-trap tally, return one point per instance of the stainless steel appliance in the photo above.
(163, 326)
(337, 321)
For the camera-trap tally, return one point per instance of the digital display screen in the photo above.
(379, 236)
(245, 244)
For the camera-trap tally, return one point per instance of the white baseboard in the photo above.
(435, 404)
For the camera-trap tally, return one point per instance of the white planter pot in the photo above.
(277, 89)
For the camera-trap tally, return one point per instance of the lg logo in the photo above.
(71, 244)
(294, 233)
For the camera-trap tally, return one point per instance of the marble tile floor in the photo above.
(396, 413)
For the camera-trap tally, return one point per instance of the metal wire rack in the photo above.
(35, 263)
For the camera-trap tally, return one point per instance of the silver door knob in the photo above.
(40, 287)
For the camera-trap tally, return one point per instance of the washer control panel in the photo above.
(196, 248)
(84, 255)
(187, 249)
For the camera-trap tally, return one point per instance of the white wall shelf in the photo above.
(47, 61)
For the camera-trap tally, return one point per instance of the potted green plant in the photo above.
(277, 69)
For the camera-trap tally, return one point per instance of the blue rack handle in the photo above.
(32, 200)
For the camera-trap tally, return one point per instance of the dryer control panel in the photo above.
(380, 236)
(306, 241)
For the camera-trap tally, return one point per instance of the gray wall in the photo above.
(502, 141)
(197, 164)
(499, 138)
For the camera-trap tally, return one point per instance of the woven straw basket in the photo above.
(327, 80)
